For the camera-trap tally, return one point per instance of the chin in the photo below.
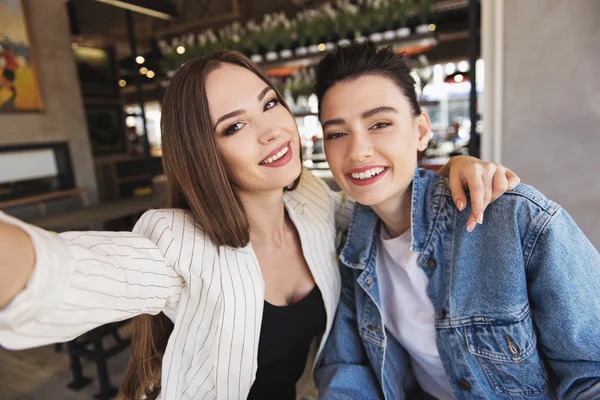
(367, 197)
(292, 172)
(296, 166)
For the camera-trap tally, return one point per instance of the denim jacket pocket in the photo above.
(507, 353)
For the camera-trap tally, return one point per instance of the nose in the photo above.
(360, 148)
(267, 130)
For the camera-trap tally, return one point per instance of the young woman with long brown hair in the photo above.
(231, 284)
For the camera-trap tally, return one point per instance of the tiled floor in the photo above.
(43, 374)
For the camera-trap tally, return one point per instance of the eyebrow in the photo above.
(364, 115)
(378, 110)
(264, 92)
(229, 115)
(235, 113)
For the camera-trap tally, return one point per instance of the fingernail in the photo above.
(479, 217)
(461, 205)
(471, 226)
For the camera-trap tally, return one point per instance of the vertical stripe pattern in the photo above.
(214, 295)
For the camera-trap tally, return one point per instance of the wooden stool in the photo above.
(89, 346)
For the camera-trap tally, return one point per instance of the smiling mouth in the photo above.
(368, 174)
(275, 157)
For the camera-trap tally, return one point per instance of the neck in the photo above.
(396, 213)
(266, 215)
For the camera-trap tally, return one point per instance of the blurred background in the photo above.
(82, 81)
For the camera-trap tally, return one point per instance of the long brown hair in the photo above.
(197, 181)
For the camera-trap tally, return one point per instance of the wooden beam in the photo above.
(155, 8)
(101, 213)
(202, 23)
(78, 192)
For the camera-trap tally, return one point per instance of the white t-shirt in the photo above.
(408, 313)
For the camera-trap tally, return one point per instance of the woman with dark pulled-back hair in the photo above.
(231, 284)
(428, 309)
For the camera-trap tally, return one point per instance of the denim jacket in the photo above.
(517, 303)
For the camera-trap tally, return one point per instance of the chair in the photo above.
(90, 346)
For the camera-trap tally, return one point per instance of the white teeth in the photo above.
(276, 156)
(368, 173)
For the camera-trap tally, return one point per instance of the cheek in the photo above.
(235, 161)
(229, 163)
(334, 153)
(399, 141)
(290, 123)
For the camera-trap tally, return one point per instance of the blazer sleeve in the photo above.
(82, 280)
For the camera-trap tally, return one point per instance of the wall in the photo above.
(551, 102)
(63, 118)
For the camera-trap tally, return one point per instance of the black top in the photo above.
(285, 337)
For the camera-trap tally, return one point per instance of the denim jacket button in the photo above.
(464, 385)
(374, 328)
(441, 314)
(431, 263)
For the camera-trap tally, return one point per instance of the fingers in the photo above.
(476, 180)
(486, 182)
(499, 183)
(457, 188)
(513, 179)
(493, 181)
(444, 170)
(471, 223)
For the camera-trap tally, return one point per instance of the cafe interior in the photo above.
(513, 82)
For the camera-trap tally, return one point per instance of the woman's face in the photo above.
(257, 137)
(371, 138)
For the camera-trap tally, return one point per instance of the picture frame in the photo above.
(20, 89)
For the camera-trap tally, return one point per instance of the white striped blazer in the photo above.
(213, 294)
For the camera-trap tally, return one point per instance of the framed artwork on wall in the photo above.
(19, 83)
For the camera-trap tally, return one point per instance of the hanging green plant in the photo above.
(330, 22)
(316, 27)
(249, 38)
(423, 11)
(398, 13)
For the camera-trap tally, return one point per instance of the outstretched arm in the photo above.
(64, 285)
(17, 257)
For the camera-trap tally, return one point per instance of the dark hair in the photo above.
(358, 59)
(197, 181)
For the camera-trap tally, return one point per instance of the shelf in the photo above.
(96, 214)
(135, 178)
(425, 41)
(78, 192)
(116, 158)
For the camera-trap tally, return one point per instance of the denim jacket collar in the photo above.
(358, 246)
